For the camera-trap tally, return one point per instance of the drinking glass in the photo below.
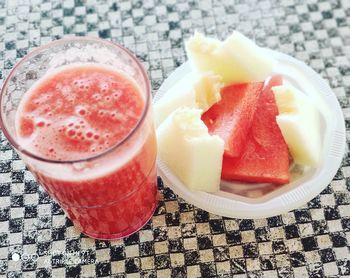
(108, 195)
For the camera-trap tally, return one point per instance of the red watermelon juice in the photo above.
(92, 120)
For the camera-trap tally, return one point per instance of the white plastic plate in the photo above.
(244, 200)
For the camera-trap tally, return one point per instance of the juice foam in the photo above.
(77, 112)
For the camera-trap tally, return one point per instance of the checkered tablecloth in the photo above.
(37, 240)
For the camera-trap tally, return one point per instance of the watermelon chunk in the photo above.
(265, 156)
(232, 116)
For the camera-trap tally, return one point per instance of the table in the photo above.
(37, 240)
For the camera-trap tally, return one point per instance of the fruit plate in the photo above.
(244, 200)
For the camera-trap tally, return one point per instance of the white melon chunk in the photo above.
(299, 122)
(193, 155)
(196, 91)
(237, 59)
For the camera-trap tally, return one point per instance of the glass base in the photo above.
(126, 232)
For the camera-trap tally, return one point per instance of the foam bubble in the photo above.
(70, 132)
(81, 111)
(40, 123)
(117, 95)
(66, 90)
(59, 86)
(59, 103)
(117, 116)
(89, 134)
(104, 87)
(41, 99)
(97, 96)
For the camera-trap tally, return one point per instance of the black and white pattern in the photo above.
(37, 240)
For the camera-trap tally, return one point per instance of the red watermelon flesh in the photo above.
(232, 116)
(265, 156)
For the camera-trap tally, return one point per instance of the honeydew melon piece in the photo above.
(193, 155)
(237, 59)
(299, 122)
(194, 90)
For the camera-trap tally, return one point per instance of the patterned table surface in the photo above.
(36, 239)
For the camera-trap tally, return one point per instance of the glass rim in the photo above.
(63, 41)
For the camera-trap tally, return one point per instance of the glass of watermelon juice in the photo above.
(78, 112)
